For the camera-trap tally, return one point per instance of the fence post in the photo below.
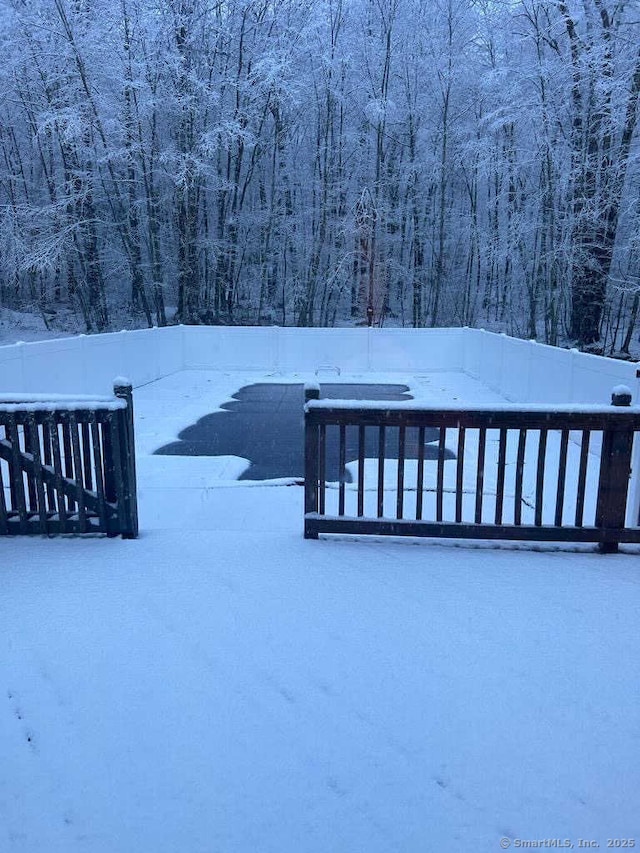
(123, 389)
(633, 511)
(311, 436)
(615, 468)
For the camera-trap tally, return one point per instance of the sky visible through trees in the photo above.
(329, 162)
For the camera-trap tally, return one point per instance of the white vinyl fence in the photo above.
(522, 371)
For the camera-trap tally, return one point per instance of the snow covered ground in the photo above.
(223, 685)
(23, 326)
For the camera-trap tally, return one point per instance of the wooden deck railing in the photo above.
(67, 464)
(513, 472)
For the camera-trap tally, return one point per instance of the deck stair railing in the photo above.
(548, 473)
(67, 464)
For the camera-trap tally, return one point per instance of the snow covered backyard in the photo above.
(221, 684)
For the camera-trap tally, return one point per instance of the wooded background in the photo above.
(323, 162)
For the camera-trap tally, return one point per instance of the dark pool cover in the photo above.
(264, 423)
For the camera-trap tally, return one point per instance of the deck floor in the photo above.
(222, 685)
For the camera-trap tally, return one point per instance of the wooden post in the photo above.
(124, 391)
(615, 469)
(311, 436)
(633, 508)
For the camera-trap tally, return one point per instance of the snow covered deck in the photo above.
(221, 684)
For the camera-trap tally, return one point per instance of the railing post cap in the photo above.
(122, 384)
(621, 396)
(311, 391)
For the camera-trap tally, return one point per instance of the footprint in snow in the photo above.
(18, 714)
(336, 787)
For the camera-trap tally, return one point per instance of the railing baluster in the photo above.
(48, 460)
(582, 476)
(13, 496)
(502, 461)
(15, 472)
(39, 505)
(381, 452)
(562, 477)
(341, 465)
(482, 442)
(103, 513)
(361, 446)
(29, 440)
(54, 436)
(400, 484)
(517, 498)
(66, 448)
(86, 456)
(322, 466)
(110, 492)
(542, 453)
(77, 464)
(67, 453)
(118, 439)
(440, 474)
(460, 472)
(4, 516)
(420, 476)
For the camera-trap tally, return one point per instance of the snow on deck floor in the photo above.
(230, 687)
(194, 493)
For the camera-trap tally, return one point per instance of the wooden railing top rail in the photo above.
(58, 403)
(418, 406)
(530, 417)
